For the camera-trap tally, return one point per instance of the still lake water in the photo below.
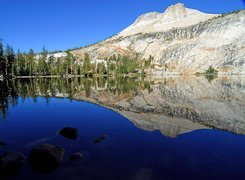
(172, 128)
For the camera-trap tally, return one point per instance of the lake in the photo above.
(168, 128)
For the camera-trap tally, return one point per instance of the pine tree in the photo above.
(1, 59)
(10, 58)
(31, 62)
(51, 65)
(42, 64)
(70, 60)
(20, 64)
(86, 64)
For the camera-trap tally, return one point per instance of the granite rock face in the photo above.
(184, 40)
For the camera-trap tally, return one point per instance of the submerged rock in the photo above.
(69, 132)
(11, 162)
(100, 138)
(76, 156)
(46, 158)
(3, 143)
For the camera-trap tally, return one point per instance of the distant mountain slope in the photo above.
(181, 40)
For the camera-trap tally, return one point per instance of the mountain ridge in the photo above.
(173, 17)
(190, 43)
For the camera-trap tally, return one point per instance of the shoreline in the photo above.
(119, 75)
(122, 75)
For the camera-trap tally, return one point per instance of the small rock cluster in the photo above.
(44, 158)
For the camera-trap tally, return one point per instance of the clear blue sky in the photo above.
(63, 24)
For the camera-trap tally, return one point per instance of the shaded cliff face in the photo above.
(179, 105)
(185, 40)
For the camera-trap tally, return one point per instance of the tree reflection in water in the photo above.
(11, 90)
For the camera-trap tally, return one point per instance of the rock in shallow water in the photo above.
(69, 132)
(3, 143)
(11, 162)
(46, 158)
(100, 138)
(76, 156)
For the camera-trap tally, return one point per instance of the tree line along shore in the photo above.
(44, 64)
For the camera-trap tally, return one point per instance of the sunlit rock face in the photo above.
(175, 16)
(183, 40)
(179, 105)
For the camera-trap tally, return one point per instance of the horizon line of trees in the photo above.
(45, 64)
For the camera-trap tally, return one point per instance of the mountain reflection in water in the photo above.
(173, 105)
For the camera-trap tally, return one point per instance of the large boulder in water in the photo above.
(69, 132)
(46, 158)
(11, 162)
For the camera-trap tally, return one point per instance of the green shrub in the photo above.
(211, 70)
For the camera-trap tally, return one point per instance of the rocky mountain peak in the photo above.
(148, 17)
(174, 12)
(175, 16)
